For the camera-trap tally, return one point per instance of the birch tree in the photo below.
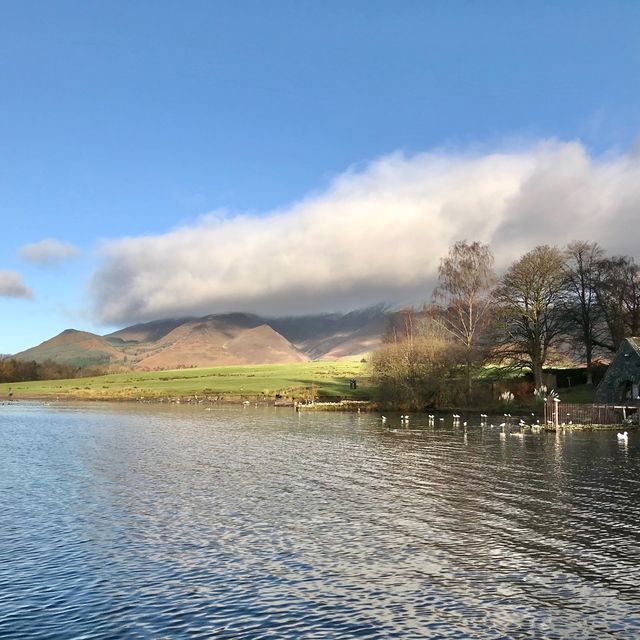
(463, 298)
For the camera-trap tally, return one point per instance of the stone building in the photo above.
(621, 382)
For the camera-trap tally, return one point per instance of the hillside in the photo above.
(333, 336)
(78, 348)
(215, 340)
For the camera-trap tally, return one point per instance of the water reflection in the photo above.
(249, 523)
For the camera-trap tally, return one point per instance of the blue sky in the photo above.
(166, 123)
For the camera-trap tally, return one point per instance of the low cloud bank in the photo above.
(374, 235)
(12, 285)
(48, 252)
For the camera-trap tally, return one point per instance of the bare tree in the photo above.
(582, 311)
(463, 298)
(617, 289)
(531, 296)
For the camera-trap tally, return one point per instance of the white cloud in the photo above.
(375, 235)
(48, 252)
(12, 285)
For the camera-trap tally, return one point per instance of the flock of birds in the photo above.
(524, 426)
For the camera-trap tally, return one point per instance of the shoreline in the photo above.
(325, 405)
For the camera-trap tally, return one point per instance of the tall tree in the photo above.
(463, 298)
(581, 269)
(531, 295)
(617, 289)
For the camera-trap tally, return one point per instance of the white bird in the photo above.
(384, 419)
(623, 436)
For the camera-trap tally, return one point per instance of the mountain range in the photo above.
(222, 339)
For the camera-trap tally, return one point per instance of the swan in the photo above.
(623, 436)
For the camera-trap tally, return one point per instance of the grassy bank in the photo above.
(324, 379)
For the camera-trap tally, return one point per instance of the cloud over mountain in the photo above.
(48, 252)
(12, 285)
(376, 234)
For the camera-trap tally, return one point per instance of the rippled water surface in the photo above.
(169, 522)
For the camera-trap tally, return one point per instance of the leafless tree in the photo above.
(463, 298)
(617, 289)
(582, 310)
(531, 296)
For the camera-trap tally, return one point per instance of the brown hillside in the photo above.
(232, 338)
(79, 348)
(213, 341)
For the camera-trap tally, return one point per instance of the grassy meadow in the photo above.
(324, 379)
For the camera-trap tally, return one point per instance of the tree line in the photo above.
(551, 302)
(15, 370)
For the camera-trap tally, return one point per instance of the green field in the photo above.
(322, 379)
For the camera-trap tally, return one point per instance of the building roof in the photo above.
(635, 343)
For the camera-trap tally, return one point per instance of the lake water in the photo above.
(142, 521)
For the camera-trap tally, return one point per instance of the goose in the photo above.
(623, 436)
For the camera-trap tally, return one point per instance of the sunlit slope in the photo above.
(218, 340)
(77, 348)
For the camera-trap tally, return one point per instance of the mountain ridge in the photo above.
(218, 339)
